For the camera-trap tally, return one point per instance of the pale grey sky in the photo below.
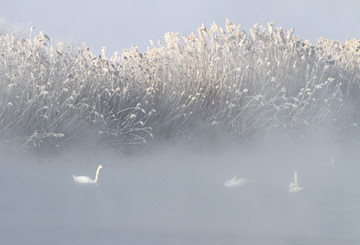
(117, 24)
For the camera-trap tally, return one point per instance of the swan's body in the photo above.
(295, 186)
(87, 179)
(236, 181)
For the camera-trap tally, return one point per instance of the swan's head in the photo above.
(235, 178)
(101, 166)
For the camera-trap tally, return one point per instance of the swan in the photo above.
(236, 181)
(294, 186)
(87, 179)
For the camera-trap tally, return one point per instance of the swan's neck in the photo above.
(296, 177)
(97, 174)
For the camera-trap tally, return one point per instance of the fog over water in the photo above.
(171, 125)
(175, 195)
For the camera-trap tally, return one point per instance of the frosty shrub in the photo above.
(227, 82)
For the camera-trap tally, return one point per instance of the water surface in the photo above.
(176, 198)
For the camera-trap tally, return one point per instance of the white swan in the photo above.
(295, 186)
(87, 179)
(236, 181)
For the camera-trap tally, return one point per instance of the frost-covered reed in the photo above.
(228, 82)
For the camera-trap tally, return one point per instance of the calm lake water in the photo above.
(178, 198)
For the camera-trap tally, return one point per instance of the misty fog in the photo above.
(172, 125)
(175, 195)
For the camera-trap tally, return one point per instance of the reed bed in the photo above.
(225, 82)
